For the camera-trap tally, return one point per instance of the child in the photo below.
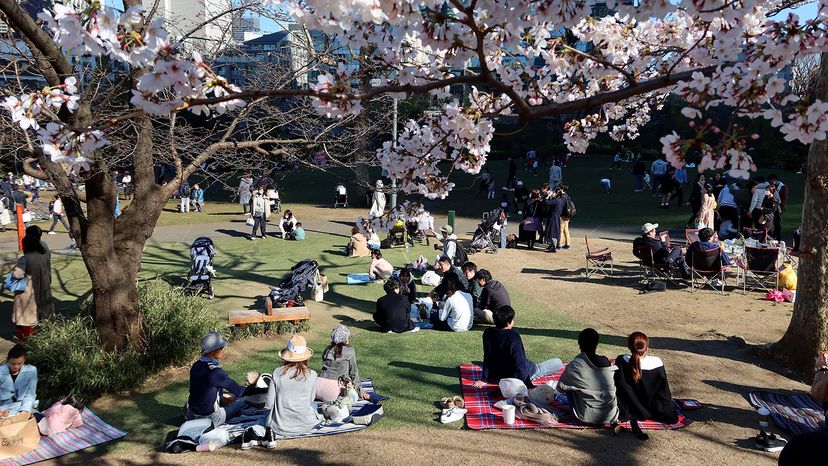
(298, 234)
(647, 183)
(207, 382)
(606, 185)
(490, 189)
(338, 359)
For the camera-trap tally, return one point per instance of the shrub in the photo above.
(70, 359)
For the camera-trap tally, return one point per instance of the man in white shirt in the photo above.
(448, 240)
(127, 182)
(456, 313)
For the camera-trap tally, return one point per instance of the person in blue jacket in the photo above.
(18, 383)
(208, 381)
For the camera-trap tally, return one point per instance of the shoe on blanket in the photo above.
(268, 441)
(249, 439)
(452, 415)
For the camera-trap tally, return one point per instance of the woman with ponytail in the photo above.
(641, 386)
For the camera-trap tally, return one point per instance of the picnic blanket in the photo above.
(251, 417)
(483, 415)
(357, 278)
(92, 432)
(795, 413)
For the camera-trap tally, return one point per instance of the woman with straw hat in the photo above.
(291, 395)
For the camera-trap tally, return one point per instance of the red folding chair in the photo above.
(599, 261)
(707, 266)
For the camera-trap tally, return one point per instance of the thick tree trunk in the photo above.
(807, 333)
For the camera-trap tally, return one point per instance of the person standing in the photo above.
(35, 303)
(696, 198)
(555, 207)
(782, 198)
(566, 216)
(706, 215)
(666, 188)
(257, 210)
(728, 208)
(555, 174)
(378, 200)
(57, 216)
(197, 197)
(638, 171)
(680, 180)
(658, 169)
(184, 193)
(126, 181)
(245, 191)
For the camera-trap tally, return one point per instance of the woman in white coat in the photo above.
(378, 201)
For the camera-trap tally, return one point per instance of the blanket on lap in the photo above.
(92, 432)
(795, 413)
(251, 416)
(482, 413)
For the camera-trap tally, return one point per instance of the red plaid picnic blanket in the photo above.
(483, 415)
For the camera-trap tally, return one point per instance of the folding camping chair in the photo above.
(761, 268)
(707, 266)
(598, 261)
(650, 269)
(691, 235)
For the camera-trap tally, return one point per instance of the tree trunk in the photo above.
(807, 333)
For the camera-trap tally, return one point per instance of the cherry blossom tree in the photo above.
(516, 56)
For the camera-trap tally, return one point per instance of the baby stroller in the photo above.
(487, 235)
(289, 292)
(200, 277)
(398, 235)
(275, 201)
(341, 197)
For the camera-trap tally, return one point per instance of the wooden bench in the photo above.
(270, 314)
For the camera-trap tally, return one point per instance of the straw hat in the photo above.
(297, 350)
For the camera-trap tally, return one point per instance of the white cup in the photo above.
(509, 414)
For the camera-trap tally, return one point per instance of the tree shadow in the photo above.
(232, 233)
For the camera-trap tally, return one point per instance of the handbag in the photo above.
(27, 217)
(15, 285)
(250, 222)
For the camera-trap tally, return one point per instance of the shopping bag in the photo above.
(18, 435)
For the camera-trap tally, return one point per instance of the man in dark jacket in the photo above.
(661, 253)
(492, 297)
(392, 310)
(449, 272)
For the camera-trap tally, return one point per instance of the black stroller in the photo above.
(289, 291)
(200, 277)
(487, 237)
(340, 197)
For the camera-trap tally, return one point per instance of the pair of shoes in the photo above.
(452, 415)
(565, 246)
(770, 442)
(51, 233)
(448, 402)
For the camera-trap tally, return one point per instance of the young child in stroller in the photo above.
(200, 277)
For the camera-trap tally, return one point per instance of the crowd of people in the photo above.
(546, 213)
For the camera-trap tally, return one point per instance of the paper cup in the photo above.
(509, 414)
(764, 416)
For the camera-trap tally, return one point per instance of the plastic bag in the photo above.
(510, 387)
(250, 222)
(789, 295)
(545, 393)
(787, 278)
(775, 296)
(431, 278)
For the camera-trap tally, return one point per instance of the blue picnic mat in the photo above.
(795, 413)
(358, 278)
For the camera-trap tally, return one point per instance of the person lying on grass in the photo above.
(504, 355)
(455, 315)
(588, 383)
(18, 383)
(207, 383)
(392, 310)
(642, 387)
(338, 359)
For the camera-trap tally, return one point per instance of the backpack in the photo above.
(569, 210)
(460, 255)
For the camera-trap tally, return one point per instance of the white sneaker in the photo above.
(51, 233)
(452, 415)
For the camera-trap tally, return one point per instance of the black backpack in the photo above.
(569, 210)
(460, 255)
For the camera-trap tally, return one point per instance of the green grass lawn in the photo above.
(415, 370)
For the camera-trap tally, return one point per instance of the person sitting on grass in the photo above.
(358, 245)
(588, 383)
(504, 355)
(407, 286)
(446, 269)
(456, 313)
(18, 383)
(290, 398)
(469, 271)
(287, 223)
(380, 269)
(338, 359)
(493, 296)
(207, 382)
(704, 244)
(298, 234)
(392, 310)
(642, 388)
